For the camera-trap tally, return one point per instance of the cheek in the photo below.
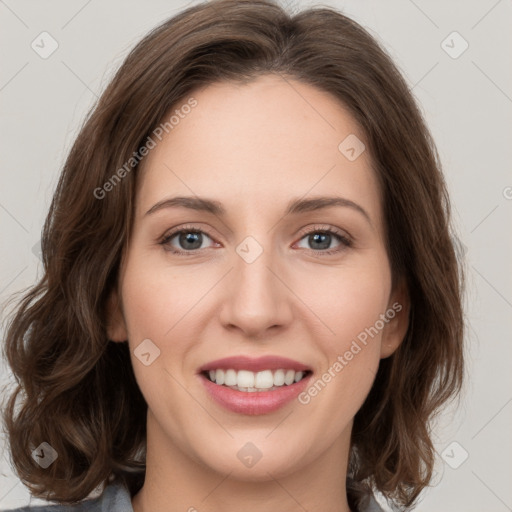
(350, 362)
(349, 305)
(155, 298)
(347, 300)
(155, 309)
(150, 311)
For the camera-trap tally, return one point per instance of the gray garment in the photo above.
(115, 498)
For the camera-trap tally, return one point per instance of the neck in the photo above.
(176, 481)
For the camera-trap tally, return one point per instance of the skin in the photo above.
(254, 147)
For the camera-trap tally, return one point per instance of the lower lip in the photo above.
(257, 402)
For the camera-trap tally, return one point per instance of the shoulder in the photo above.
(115, 498)
(373, 506)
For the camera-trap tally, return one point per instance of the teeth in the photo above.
(219, 377)
(230, 378)
(289, 377)
(279, 378)
(264, 380)
(245, 380)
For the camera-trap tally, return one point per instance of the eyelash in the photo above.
(345, 241)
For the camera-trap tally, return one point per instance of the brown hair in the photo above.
(77, 391)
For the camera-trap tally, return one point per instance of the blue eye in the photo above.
(322, 238)
(190, 240)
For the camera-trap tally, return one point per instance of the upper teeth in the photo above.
(259, 380)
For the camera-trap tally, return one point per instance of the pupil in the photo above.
(191, 238)
(324, 236)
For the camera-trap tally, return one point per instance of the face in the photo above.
(253, 279)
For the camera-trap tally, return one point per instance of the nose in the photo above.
(256, 297)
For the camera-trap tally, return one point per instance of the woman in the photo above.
(252, 369)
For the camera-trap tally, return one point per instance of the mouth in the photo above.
(254, 382)
(254, 386)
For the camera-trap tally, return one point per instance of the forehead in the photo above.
(267, 140)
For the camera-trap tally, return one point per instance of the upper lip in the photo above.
(257, 364)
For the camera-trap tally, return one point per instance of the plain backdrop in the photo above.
(466, 97)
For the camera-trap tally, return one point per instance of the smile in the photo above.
(249, 382)
(254, 386)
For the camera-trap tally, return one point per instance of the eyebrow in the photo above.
(295, 206)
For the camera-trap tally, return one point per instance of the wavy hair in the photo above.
(76, 390)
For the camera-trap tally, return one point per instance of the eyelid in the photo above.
(325, 227)
(345, 239)
(172, 232)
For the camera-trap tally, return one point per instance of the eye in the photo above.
(320, 238)
(188, 239)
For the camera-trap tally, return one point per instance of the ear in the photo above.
(116, 327)
(398, 320)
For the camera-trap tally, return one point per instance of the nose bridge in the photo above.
(252, 263)
(256, 297)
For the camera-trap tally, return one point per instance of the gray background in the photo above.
(467, 102)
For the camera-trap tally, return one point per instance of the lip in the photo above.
(255, 403)
(269, 362)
